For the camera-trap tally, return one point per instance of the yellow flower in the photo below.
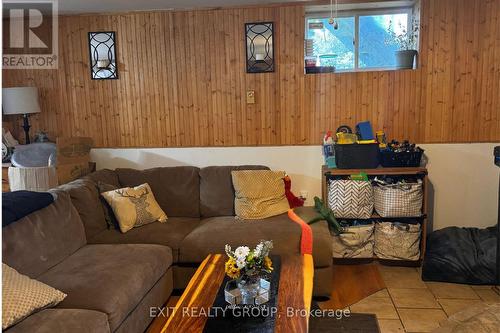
(268, 264)
(231, 269)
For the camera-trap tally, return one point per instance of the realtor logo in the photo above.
(29, 34)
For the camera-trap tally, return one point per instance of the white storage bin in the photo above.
(357, 242)
(397, 241)
(350, 198)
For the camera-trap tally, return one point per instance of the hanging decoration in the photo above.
(334, 18)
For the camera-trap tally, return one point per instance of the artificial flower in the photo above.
(241, 252)
(258, 249)
(231, 269)
(244, 262)
(268, 264)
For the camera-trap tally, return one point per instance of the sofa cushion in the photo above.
(63, 320)
(259, 193)
(134, 207)
(170, 233)
(104, 175)
(21, 296)
(213, 233)
(85, 197)
(177, 189)
(44, 238)
(109, 278)
(217, 191)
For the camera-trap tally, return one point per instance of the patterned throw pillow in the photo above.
(22, 296)
(134, 206)
(259, 193)
(109, 216)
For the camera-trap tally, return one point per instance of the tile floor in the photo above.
(412, 305)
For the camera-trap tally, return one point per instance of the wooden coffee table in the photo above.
(295, 291)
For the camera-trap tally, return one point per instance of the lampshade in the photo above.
(20, 100)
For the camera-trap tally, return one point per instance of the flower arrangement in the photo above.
(246, 264)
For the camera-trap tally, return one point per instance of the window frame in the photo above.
(356, 14)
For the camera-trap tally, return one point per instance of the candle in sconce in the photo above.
(259, 57)
(103, 63)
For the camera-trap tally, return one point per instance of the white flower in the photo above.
(228, 251)
(258, 249)
(241, 253)
(240, 263)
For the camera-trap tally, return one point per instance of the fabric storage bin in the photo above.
(357, 242)
(357, 156)
(397, 241)
(350, 198)
(391, 159)
(398, 200)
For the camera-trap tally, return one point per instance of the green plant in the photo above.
(326, 214)
(405, 39)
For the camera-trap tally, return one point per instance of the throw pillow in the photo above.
(259, 193)
(22, 296)
(109, 216)
(134, 206)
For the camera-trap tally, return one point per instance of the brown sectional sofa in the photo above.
(112, 279)
(110, 287)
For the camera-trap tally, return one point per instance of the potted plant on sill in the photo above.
(406, 42)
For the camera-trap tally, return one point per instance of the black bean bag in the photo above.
(461, 255)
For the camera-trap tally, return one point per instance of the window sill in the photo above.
(327, 69)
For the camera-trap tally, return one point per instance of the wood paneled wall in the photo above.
(182, 82)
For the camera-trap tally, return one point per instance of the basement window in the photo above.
(361, 38)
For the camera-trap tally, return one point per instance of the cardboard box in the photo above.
(73, 158)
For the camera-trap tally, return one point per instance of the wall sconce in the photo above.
(102, 55)
(260, 47)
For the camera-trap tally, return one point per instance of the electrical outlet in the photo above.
(250, 96)
(304, 194)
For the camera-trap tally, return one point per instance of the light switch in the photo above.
(250, 96)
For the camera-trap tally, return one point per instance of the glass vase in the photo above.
(249, 287)
(246, 290)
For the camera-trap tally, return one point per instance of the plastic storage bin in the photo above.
(357, 156)
(389, 158)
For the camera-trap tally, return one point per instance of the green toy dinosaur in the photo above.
(326, 214)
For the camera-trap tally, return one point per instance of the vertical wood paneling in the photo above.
(182, 82)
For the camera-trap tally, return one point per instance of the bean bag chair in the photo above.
(461, 255)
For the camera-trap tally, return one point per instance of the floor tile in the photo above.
(390, 326)
(401, 277)
(452, 306)
(381, 294)
(488, 295)
(421, 320)
(413, 298)
(451, 290)
(382, 307)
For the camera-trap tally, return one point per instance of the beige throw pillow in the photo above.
(22, 296)
(259, 193)
(134, 206)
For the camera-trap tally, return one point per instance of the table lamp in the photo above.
(21, 100)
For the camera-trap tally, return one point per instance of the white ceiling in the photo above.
(106, 6)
